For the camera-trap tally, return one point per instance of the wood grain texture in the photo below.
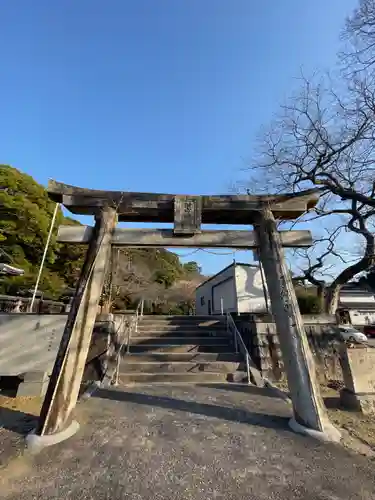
(166, 238)
(66, 377)
(159, 207)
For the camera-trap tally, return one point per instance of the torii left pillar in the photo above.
(55, 418)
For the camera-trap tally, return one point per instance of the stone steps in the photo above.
(178, 347)
(181, 349)
(171, 339)
(180, 328)
(186, 319)
(183, 357)
(171, 318)
(130, 366)
(180, 321)
(190, 378)
(179, 333)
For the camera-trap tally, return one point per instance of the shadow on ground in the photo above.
(9, 386)
(332, 402)
(209, 410)
(17, 421)
(247, 389)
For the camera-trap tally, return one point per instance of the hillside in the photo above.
(25, 215)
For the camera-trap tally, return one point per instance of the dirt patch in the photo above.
(358, 431)
(359, 427)
(18, 417)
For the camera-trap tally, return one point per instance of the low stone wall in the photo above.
(29, 342)
(260, 336)
(358, 365)
(29, 345)
(14, 304)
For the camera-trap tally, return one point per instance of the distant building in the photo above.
(359, 302)
(239, 288)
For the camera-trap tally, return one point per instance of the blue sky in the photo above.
(153, 95)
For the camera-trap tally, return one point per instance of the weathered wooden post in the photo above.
(309, 412)
(109, 281)
(64, 385)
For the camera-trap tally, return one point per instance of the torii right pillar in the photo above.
(310, 415)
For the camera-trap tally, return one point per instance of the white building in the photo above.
(359, 303)
(239, 288)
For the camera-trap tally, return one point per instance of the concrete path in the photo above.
(183, 442)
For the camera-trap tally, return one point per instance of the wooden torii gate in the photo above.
(187, 213)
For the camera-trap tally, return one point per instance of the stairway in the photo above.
(181, 349)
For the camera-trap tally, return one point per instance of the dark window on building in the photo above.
(202, 301)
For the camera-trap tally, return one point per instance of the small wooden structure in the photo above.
(187, 213)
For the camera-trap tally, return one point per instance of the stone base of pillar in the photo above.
(364, 402)
(330, 434)
(36, 443)
(91, 389)
(34, 384)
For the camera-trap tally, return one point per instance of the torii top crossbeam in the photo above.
(152, 207)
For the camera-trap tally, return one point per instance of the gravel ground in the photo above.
(185, 442)
(358, 430)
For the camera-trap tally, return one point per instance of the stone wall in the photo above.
(29, 344)
(260, 336)
(13, 304)
(358, 365)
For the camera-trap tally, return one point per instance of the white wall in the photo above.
(250, 292)
(240, 287)
(349, 299)
(360, 305)
(224, 296)
(361, 317)
(220, 285)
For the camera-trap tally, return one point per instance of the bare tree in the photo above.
(125, 279)
(358, 56)
(130, 277)
(183, 292)
(324, 138)
(319, 263)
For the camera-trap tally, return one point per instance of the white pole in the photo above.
(222, 306)
(44, 256)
